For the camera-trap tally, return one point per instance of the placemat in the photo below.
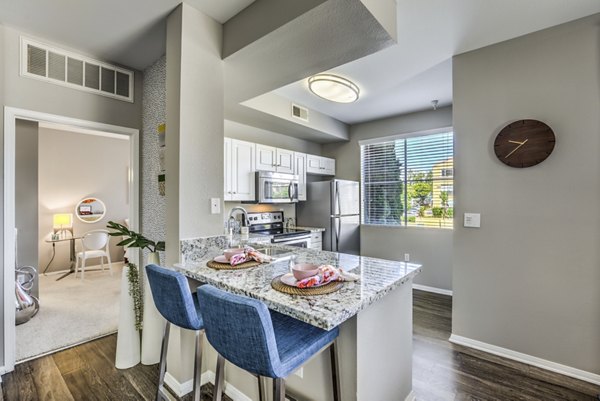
(226, 266)
(287, 289)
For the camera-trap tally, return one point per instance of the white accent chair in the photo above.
(95, 244)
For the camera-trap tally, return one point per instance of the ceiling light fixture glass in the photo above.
(333, 88)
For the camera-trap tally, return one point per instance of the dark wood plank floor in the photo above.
(446, 372)
(82, 373)
(442, 371)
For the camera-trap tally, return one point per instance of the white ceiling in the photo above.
(129, 32)
(407, 76)
(402, 78)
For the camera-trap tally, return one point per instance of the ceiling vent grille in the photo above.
(65, 68)
(299, 112)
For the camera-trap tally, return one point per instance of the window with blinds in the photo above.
(409, 181)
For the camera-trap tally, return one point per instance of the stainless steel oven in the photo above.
(271, 224)
(276, 187)
(299, 240)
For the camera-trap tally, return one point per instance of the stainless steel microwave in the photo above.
(276, 187)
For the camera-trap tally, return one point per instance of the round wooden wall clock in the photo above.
(524, 143)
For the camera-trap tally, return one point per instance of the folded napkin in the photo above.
(248, 255)
(327, 274)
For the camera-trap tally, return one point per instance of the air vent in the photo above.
(66, 68)
(299, 112)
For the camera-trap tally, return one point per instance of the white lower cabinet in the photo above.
(240, 158)
(316, 241)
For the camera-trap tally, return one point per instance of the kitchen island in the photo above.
(374, 315)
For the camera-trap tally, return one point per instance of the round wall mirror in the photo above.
(90, 210)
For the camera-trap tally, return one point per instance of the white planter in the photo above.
(128, 338)
(154, 323)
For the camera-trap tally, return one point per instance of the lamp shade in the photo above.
(62, 220)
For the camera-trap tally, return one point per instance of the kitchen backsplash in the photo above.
(289, 210)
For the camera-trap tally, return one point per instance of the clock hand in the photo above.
(518, 143)
(515, 149)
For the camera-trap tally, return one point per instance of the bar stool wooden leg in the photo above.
(198, 365)
(163, 362)
(219, 377)
(335, 371)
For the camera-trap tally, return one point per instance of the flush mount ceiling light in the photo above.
(333, 88)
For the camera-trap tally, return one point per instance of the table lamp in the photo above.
(62, 222)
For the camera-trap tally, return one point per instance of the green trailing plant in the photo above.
(133, 239)
(135, 290)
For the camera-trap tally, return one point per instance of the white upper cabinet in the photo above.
(285, 161)
(269, 158)
(300, 171)
(320, 165)
(243, 159)
(266, 158)
(227, 169)
(239, 180)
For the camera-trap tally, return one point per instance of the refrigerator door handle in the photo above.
(338, 228)
(337, 198)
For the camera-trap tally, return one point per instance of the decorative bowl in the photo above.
(232, 251)
(304, 270)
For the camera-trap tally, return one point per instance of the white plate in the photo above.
(221, 259)
(289, 279)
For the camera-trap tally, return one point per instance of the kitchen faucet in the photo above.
(245, 221)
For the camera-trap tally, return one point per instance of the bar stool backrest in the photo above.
(240, 329)
(172, 297)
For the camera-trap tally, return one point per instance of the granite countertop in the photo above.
(377, 278)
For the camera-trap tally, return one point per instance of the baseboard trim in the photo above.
(527, 359)
(411, 397)
(431, 289)
(181, 389)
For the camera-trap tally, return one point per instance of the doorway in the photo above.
(127, 179)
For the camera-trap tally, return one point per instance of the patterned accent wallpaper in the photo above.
(154, 104)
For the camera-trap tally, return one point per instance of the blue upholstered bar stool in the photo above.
(174, 301)
(263, 342)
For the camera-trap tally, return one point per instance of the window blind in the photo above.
(409, 181)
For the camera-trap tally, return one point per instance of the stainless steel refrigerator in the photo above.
(334, 205)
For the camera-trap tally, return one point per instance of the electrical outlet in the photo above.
(407, 257)
(215, 205)
(299, 373)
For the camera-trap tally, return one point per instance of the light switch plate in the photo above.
(215, 205)
(472, 220)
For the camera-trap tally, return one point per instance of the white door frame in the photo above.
(11, 114)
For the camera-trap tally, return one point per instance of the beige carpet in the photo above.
(72, 311)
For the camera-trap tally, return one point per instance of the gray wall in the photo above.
(248, 133)
(31, 94)
(26, 195)
(431, 247)
(152, 204)
(73, 166)
(527, 280)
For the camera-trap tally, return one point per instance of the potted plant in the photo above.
(146, 314)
